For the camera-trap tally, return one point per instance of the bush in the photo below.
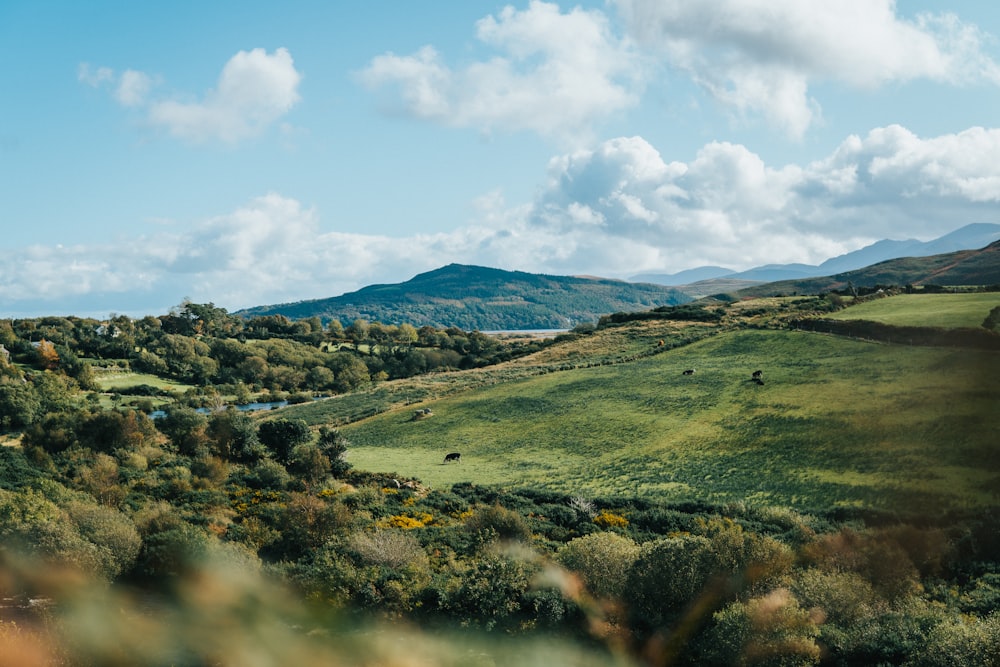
(769, 630)
(507, 524)
(602, 560)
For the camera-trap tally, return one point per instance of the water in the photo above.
(246, 407)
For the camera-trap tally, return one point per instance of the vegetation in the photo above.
(607, 509)
(950, 311)
(960, 269)
(473, 297)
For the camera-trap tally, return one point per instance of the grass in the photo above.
(112, 379)
(838, 422)
(926, 310)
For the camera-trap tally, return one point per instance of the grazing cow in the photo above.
(689, 371)
(454, 456)
(757, 375)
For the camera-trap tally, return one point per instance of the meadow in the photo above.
(837, 423)
(948, 311)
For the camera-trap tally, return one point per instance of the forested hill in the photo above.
(485, 299)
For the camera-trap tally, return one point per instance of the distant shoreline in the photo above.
(526, 333)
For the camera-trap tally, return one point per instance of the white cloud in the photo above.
(760, 56)
(94, 77)
(554, 73)
(616, 210)
(133, 88)
(254, 90)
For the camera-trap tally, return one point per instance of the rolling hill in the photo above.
(965, 267)
(839, 422)
(475, 297)
(970, 236)
(488, 299)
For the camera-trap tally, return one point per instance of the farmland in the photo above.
(837, 422)
(926, 310)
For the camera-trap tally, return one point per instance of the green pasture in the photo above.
(111, 380)
(948, 311)
(837, 422)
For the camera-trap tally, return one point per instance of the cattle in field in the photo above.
(689, 371)
(453, 456)
(757, 375)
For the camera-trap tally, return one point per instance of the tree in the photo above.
(186, 429)
(47, 356)
(350, 372)
(358, 331)
(281, 436)
(308, 463)
(333, 445)
(234, 436)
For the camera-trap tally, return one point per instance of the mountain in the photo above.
(964, 267)
(976, 235)
(684, 277)
(475, 297)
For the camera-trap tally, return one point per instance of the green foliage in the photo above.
(602, 560)
(233, 436)
(771, 630)
(186, 428)
(485, 299)
(497, 520)
(992, 321)
(281, 436)
(333, 445)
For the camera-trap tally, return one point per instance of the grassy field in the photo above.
(837, 422)
(113, 379)
(925, 310)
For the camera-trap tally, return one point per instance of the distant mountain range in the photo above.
(964, 267)
(486, 299)
(976, 235)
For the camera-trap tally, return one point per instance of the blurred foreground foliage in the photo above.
(142, 554)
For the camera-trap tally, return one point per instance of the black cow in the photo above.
(757, 375)
(689, 371)
(454, 456)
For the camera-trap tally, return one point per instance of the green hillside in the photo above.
(479, 298)
(966, 267)
(925, 310)
(838, 422)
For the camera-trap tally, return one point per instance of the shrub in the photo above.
(608, 519)
(769, 630)
(602, 560)
(667, 576)
(507, 524)
(391, 549)
(965, 642)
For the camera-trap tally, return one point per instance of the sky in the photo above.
(250, 153)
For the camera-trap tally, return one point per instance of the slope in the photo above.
(965, 267)
(473, 297)
(838, 422)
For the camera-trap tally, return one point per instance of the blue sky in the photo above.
(248, 153)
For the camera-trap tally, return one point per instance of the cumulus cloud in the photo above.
(553, 73)
(254, 90)
(760, 56)
(615, 210)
